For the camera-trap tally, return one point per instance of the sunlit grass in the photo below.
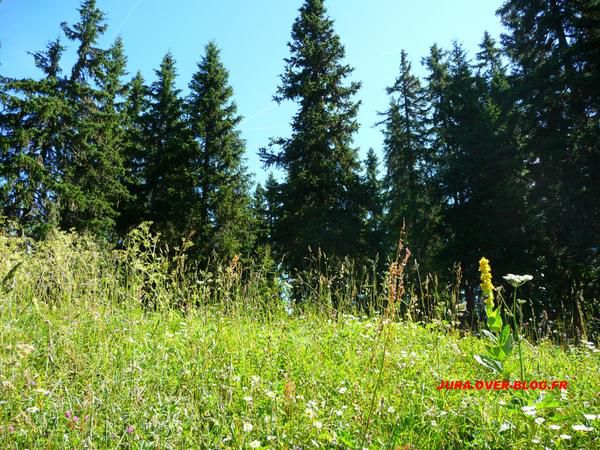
(84, 364)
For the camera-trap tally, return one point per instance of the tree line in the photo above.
(496, 155)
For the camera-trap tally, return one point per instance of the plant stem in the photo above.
(517, 332)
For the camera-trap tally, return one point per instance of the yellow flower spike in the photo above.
(486, 281)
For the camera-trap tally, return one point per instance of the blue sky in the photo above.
(253, 37)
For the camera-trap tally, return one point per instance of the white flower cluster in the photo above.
(517, 280)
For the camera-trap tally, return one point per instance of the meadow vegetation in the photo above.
(103, 348)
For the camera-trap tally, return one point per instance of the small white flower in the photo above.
(270, 394)
(254, 444)
(580, 427)
(33, 409)
(539, 420)
(318, 425)
(554, 427)
(535, 441)
(529, 410)
(391, 410)
(247, 399)
(566, 437)
(342, 390)
(310, 413)
(591, 416)
(433, 423)
(505, 426)
(517, 280)
(270, 438)
(339, 412)
(255, 379)
(248, 427)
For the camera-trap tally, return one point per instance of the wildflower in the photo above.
(486, 281)
(505, 426)
(318, 425)
(517, 280)
(535, 441)
(554, 427)
(270, 438)
(539, 420)
(130, 429)
(248, 427)
(68, 414)
(391, 410)
(528, 410)
(566, 437)
(591, 416)
(254, 444)
(33, 409)
(247, 399)
(342, 390)
(579, 427)
(270, 394)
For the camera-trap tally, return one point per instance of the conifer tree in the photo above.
(91, 163)
(133, 210)
(321, 188)
(222, 211)
(409, 200)
(169, 156)
(374, 229)
(31, 139)
(554, 47)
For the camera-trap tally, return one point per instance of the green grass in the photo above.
(75, 341)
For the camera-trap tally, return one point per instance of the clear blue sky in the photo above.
(253, 35)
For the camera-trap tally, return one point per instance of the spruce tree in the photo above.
(133, 210)
(374, 230)
(222, 211)
(554, 48)
(31, 139)
(91, 163)
(409, 200)
(169, 156)
(321, 188)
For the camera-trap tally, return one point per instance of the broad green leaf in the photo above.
(490, 363)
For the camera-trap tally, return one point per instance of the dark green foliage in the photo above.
(132, 211)
(321, 190)
(409, 163)
(31, 143)
(374, 238)
(554, 46)
(221, 213)
(91, 163)
(170, 183)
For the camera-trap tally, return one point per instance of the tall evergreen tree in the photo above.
(374, 229)
(321, 189)
(409, 201)
(554, 47)
(91, 163)
(222, 211)
(31, 139)
(170, 184)
(133, 210)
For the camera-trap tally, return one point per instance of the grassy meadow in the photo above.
(118, 349)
